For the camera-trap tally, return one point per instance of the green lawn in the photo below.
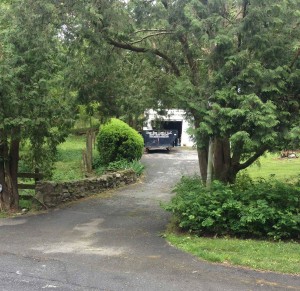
(271, 164)
(69, 161)
(260, 255)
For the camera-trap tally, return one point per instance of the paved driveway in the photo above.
(115, 243)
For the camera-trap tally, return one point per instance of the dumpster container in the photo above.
(159, 139)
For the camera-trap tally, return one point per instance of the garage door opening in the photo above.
(177, 125)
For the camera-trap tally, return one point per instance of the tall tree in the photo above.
(255, 80)
(30, 106)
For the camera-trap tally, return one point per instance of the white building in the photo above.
(173, 119)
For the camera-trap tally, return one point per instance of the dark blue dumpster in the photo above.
(159, 139)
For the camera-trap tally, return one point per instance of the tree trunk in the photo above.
(202, 151)
(210, 163)
(89, 150)
(223, 170)
(13, 166)
(6, 194)
(202, 158)
(9, 159)
(4, 203)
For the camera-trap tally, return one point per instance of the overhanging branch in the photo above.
(136, 49)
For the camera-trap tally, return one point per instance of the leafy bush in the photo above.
(117, 141)
(260, 209)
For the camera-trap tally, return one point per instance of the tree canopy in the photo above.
(235, 66)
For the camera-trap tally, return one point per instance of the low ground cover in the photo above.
(271, 213)
(265, 209)
(3, 214)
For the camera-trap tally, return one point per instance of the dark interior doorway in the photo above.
(177, 125)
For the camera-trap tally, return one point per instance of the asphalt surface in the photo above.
(114, 242)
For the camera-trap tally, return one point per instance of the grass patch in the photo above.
(121, 165)
(25, 204)
(272, 164)
(260, 255)
(69, 159)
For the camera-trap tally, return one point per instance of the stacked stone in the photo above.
(51, 194)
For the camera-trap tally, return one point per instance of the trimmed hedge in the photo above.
(118, 141)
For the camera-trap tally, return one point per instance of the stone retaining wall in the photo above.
(51, 194)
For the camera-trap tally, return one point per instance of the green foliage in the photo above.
(259, 209)
(68, 164)
(25, 204)
(35, 111)
(118, 141)
(235, 70)
(126, 92)
(123, 165)
(135, 165)
(86, 117)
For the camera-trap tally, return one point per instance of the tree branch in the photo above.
(156, 52)
(189, 56)
(150, 35)
(153, 29)
(246, 3)
(252, 159)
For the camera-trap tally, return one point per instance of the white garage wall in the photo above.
(171, 115)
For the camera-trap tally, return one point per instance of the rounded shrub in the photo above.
(118, 141)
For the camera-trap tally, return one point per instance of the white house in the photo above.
(173, 119)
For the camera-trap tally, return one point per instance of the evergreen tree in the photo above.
(32, 108)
